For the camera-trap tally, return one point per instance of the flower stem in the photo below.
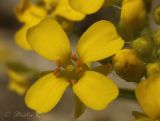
(127, 93)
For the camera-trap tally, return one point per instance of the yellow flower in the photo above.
(87, 6)
(31, 14)
(132, 13)
(50, 41)
(147, 93)
(128, 66)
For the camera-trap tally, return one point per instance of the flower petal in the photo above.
(45, 93)
(64, 10)
(49, 40)
(87, 6)
(147, 93)
(131, 15)
(20, 37)
(99, 41)
(95, 90)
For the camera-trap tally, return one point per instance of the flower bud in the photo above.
(143, 46)
(156, 37)
(128, 66)
(17, 82)
(147, 93)
(133, 14)
(153, 68)
(156, 14)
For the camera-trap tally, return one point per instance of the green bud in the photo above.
(156, 14)
(155, 54)
(153, 68)
(143, 46)
(156, 37)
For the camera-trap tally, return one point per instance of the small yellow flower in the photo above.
(31, 14)
(133, 13)
(50, 41)
(147, 93)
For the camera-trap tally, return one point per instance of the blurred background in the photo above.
(12, 107)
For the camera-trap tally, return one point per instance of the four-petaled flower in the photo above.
(94, 89)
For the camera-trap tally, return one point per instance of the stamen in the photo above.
(58, 68)
(72, 82)
(74, 57)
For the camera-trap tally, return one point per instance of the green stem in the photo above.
(127, 93)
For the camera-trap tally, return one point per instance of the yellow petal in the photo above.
(49, 40)
(95, 90)
(87, 6)
(45, 93)
(99, 41)
(147, 94)
(64, 10)
(20, 37)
